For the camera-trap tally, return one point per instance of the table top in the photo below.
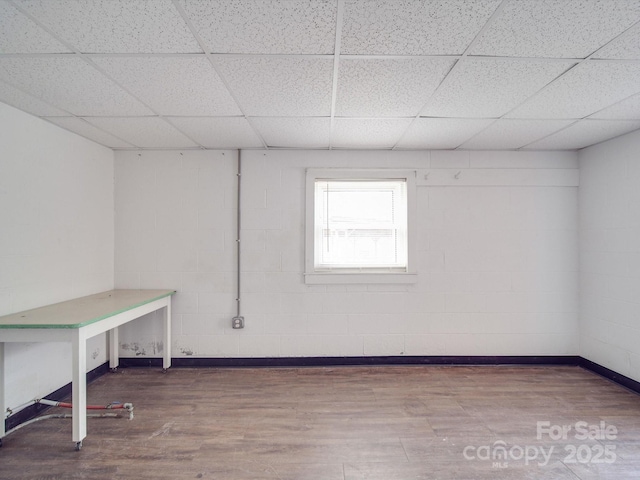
(82, 311)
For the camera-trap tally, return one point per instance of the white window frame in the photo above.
(350, 275)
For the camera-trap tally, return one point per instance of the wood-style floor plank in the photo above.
(339, 423)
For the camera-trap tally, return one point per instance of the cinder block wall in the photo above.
(610, 254)
(497, 265)
(56, 239)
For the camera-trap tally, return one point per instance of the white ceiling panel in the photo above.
(556, 29)
(279, 86)
(368, 133)
(512, 134)
(585, 89)
(388, 88)
(27, 103)
(85, 129)
(183, 85)
(18, 34)
(220, 132)
(626, 46)
(266, 26)
(69, 83)
(294, 132)
(441, 133)
(490, 88)
(627, 109)
(405, 74)
(150, 132)
(115, 26)
(412, 27)
(584, 133)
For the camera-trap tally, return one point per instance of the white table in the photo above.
(76, 321)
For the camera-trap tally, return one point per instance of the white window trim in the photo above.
(313, 277)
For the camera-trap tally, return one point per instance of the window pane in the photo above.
(360, 224)
(359, 206)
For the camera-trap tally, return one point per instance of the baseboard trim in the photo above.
(60, 394)
(293, 362)
(564, 360)
(179, 362)
(609, 374)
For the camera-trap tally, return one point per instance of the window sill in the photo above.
(359, 278)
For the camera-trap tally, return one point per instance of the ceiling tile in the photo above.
(149, 132)
(441, 133)
(627, 109)
(19, 34)
(267, 26)
(585, 133)
(85, 129)
(387, 88)
(490, 88)
(626, 46)
(28, 103)
(221, 132)
(585, 89)
(272, 77)
(279, 86)
(512, 134)
(556, 29)
(115, 26)
(412, 27)
(294, 132)
(70, 83)
(182, 85)
(368, 133)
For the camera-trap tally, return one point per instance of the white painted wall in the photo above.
(498, 266)
(610, 254)
(56, 239)
(176, 228)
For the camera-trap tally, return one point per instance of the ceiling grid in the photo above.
(326, 74)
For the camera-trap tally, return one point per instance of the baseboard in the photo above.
(292, 362)
(566, 360)
(572, 360)
(60, 394)
(609, 374)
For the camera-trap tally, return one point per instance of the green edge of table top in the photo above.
(95, 309)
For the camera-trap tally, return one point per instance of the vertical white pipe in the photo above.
(238, 232)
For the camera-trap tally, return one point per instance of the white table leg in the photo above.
(166, 358)
(114, 352)
(3, 407)
(79, 386)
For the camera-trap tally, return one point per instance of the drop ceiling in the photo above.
(334, 74)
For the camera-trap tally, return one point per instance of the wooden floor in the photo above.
(343, 423)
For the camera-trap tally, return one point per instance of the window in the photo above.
(359, 226)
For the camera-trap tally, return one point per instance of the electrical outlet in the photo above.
(237, 322)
